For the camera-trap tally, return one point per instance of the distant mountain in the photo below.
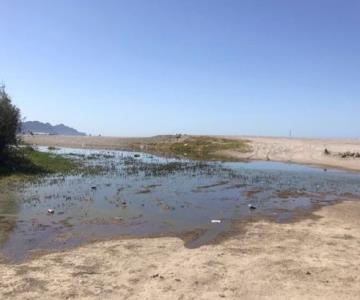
(47, 128)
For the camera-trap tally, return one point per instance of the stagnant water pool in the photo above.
(138, 194)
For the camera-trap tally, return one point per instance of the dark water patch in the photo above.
(153, 196)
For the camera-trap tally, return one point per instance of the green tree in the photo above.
(10, 123)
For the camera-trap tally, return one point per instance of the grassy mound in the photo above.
(207, 147)
(197, 147)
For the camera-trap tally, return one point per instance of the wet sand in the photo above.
(296, 150)
(315, 258)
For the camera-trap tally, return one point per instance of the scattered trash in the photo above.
(51, 211)
(215, 221)
(251, 206)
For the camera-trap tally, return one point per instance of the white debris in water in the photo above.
(251, 206)
(215, 221)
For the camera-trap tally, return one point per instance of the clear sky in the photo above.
(136, 68)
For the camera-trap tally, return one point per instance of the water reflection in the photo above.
(9, 207)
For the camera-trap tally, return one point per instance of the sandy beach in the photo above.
(315, 258)
(303, 151)
(294, 150)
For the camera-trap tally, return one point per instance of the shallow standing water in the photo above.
(137, 194)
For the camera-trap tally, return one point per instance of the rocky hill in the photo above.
(47, 128)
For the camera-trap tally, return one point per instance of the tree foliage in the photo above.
(10, 122)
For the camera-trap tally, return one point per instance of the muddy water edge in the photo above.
(135, 194)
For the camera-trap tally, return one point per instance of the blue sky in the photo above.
(139, 68)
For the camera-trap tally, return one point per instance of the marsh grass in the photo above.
(194, 147)
(207, 148)
(28, 161)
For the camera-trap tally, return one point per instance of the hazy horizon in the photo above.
(143, 68)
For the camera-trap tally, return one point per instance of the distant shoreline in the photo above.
(280, 149)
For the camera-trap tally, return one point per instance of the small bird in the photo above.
(51, 211)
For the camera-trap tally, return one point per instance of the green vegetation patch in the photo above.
(27, 161)
(207, 148)
(50, 162)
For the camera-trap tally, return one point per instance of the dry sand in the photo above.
(304, 151)
(316, 258)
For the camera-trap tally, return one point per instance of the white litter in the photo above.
(251, 206)
(215, 221)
